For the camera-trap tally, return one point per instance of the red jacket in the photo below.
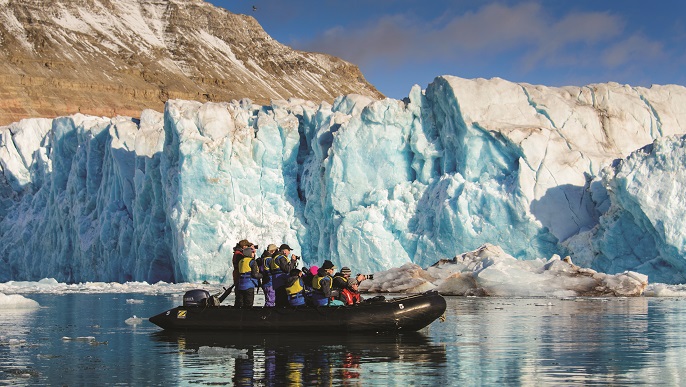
(350, 297)
(237, 255)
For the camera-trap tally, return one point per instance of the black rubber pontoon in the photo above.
(409, 313)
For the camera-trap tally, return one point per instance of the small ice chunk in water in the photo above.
(134, 320)
(79, 338)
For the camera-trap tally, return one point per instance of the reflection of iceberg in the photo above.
(15, 319)
(574, 341)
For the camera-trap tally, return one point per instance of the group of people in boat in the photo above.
(281, 276)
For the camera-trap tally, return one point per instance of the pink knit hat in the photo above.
(314, 270)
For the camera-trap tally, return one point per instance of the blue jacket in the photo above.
(266, 271)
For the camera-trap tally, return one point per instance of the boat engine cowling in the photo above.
(196, 297)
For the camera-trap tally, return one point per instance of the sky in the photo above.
(400, 43)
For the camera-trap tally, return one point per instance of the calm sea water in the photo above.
(84, 339)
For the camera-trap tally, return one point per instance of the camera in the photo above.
(256, 247)
(366, 276)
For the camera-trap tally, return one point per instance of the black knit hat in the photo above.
(328, 265)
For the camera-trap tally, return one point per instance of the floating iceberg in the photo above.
(16, 301)
(489, 271)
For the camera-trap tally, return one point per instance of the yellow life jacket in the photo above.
(295, 288)
(267, 263)
(244, 265)
(317, 281)
(273, 267)
(341, 276)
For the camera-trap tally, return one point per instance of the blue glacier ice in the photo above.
(645, 225)
(369, 184)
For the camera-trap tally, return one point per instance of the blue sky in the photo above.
(399, 43)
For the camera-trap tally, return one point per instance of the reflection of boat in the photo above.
(408, 346)
(301, 359)
(305, 342)
(408, 313)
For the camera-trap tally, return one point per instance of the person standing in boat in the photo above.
(323, 293)
(265, 263)
(279, 269)
(248, 276)
(237, 255)
(295, 288)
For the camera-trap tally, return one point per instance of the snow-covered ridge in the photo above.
(368, 184)
(121, 57)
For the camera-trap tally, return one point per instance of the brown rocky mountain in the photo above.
(117, 57)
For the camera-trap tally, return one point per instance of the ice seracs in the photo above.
(368, 184)
(645, 222)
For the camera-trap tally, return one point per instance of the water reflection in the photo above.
(564, 341)
(302, 359)
(484, 341)
(15, 365)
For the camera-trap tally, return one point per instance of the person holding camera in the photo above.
(280, 268)
(340, 279)
(295, 288)
(351, 295)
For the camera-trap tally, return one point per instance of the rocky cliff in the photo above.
(111, 58)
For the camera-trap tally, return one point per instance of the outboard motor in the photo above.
(196, 297)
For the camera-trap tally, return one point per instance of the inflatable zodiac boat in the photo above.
(409, 313)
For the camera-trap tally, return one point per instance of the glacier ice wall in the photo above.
(645, 225)
(368, 184)
(82, 208)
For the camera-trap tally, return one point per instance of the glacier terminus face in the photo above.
(594, 172)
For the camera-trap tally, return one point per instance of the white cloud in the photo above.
(634, 48)
(529, 32)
